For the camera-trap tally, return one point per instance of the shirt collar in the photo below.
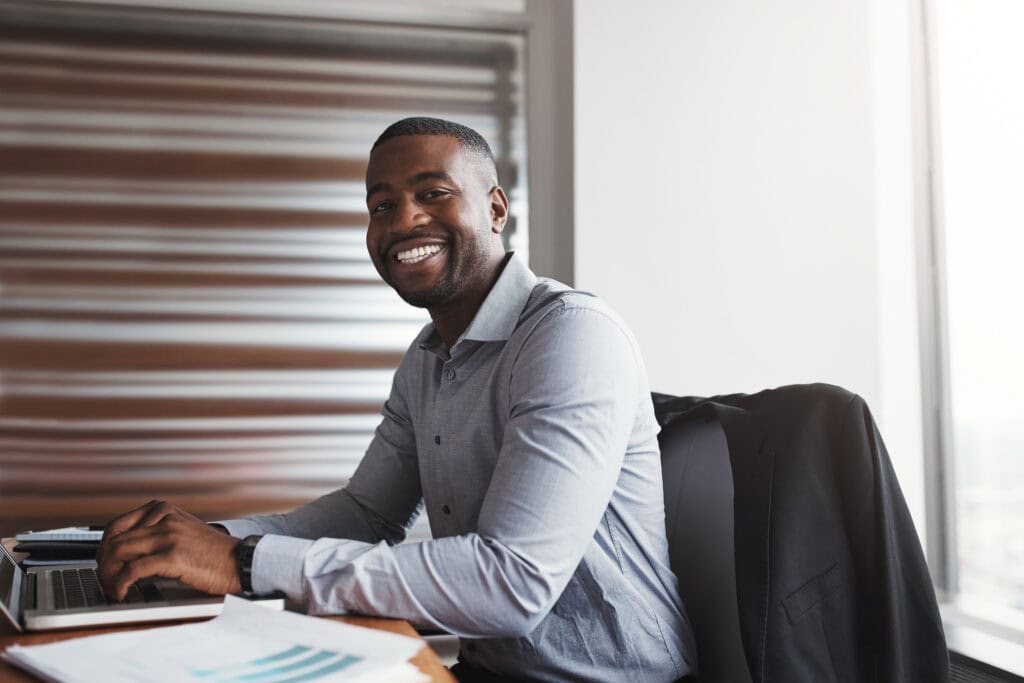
(498, 315)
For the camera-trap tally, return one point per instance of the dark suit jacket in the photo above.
(831, 581)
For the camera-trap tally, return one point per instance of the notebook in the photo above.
(69, 596)
(71, 545)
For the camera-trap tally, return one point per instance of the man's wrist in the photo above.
(282, 562)
(245, 551)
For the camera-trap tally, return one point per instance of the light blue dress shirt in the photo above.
(533, 448)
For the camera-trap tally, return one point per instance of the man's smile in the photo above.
(413, 254)
(417, 254)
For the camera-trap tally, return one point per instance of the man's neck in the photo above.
(451, 319)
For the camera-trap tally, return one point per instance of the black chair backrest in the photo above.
(699, 523)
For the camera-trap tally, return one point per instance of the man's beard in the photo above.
(456, 275)
(435, 296)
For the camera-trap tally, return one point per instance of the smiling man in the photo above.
(520, 420)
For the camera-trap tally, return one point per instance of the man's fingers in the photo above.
(141, 568)
(161, 539)
(135, 542)
(106, 573)
(118, 526)
(148, 515)
(123, 549)
(156, 513)
(128, 520)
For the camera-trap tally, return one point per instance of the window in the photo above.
(978, 119)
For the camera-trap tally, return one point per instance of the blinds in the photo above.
(187, 309)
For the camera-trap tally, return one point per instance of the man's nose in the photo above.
(409, 216)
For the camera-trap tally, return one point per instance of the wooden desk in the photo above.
(426, 659)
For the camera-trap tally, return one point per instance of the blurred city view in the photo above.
(980, 109)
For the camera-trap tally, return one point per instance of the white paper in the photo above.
(245, 643)
(29, 562)
(71, 533)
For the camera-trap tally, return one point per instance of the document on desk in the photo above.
(67, 534)
(245, 643)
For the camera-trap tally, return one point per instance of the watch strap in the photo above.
(244, 552)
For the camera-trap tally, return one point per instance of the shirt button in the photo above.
(451, 374)
(446, 510)
(437, 439)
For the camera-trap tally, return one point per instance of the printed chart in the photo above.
(293, 665)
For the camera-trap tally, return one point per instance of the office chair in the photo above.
(796, 556)
(697, 477)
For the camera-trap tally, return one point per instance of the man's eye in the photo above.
(434, 194)
(383, 206)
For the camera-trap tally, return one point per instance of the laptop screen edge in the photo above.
(11, 607)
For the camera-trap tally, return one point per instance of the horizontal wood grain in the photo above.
(82, 162)
(36, 510)
(189, 204)
(44, 354)
(28, 212)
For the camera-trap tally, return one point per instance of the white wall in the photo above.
(729, 197)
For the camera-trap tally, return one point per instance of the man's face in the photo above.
(434, 225)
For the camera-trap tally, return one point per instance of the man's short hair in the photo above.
(425, 125)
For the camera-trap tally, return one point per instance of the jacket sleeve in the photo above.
(901, 635)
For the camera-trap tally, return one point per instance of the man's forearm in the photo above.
(335, 515)
(466, 585)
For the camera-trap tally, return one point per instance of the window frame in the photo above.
(979, 638)
(939, 477)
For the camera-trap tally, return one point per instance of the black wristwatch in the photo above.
(243, 557)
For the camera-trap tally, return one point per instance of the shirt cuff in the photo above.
(277, 565)
(239, 528)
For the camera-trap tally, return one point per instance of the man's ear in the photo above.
(499, 209)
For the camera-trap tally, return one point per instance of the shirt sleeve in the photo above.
(380, 501)
(573, 397)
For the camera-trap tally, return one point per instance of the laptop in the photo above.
(69, 596)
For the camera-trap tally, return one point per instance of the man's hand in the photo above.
(160, 539)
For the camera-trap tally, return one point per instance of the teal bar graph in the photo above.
(295, 664)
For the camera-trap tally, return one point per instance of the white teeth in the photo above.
(417, 254)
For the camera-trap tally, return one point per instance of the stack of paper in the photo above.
(68, 533)
(244, 643)
(70, 545)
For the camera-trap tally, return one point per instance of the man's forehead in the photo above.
(413, 146)
(407, 158)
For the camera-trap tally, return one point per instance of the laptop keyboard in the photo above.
(81, 588)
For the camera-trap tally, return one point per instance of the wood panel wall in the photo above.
(187, 310)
